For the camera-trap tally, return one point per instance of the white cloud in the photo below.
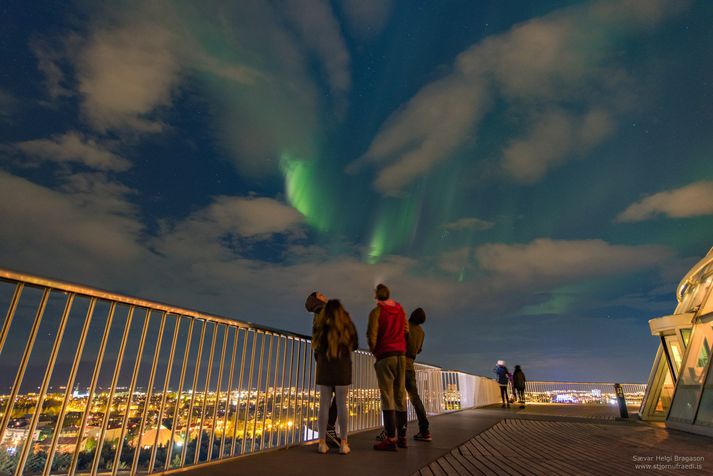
(366, 18)
(319, 30)
(125, 73)
(469, 223)
(547, 260)
(48, 64)
(538, 67)
(554, 138)
(205, 233)
(692, 200)
(72, 226)
(73, 147)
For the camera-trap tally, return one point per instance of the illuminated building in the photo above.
(680, 387)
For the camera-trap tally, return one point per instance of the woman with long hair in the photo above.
(333, 340)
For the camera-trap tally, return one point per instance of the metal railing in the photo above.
(581, 392)
(98, 382)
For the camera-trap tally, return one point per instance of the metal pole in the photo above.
(282, 391)
(288, 429)
(68, 388)
(10, 314)
(179, 391)
(246, 336)
(229, 392)
(166, 380)
(112, 390)
(132, 387)
(149, 394)
(257, 398)
(310, 384)
(193, 395)
(273, 410)
(267, 389)
(45, 383)
(217, 395)
(295, 426)
(247, 404)
(305, 356)
(206, 388)
(92, 388)
(23, 363)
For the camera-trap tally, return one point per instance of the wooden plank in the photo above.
(436, 469)
(506, 435)
(477, 451)
(485, 469)
(464, 462)
(446, 467)
(460, 469)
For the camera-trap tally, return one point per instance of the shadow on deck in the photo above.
(540, 439)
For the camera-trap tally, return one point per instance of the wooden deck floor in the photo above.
(537, 440)
(529, 446)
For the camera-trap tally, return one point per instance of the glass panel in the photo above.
(675, 352)
(691, 378)
(664, 401)
(686, 336)
(705, 412)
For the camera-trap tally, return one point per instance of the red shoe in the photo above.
(401, 443)
(386, 445)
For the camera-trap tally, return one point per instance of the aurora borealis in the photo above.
(537, 175)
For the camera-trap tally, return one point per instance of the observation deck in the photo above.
(166, 389)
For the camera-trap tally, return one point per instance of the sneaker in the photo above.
(502, 406)
(522, 406)
(401, 442)
(381, 436)
(333, 440)
(420, 436)
(385, 445)
(322, 447)
(344, 448)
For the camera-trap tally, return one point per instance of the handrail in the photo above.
(9, 275)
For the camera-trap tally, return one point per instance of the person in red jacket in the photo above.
(386, 334)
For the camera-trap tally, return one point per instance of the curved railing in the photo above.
(95, 381)
(582, 392)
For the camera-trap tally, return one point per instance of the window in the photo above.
(690, 382)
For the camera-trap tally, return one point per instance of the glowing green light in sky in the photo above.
(303, 191)
(395, 228)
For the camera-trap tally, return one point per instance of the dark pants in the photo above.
(412, 391)
(504, 394)
(520, 392)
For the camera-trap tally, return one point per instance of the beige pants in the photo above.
(391, 375)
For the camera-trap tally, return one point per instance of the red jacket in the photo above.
(387, 329)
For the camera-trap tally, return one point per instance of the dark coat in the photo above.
(518, 379)
(338, 371)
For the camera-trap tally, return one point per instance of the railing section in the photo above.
(96, 382)
(588, 393)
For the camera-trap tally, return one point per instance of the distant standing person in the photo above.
(386, 334)
(334, 339)
(314, 304)
(414, 343)
(518, 383)
(503, 377)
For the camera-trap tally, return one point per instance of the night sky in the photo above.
(537, 175)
